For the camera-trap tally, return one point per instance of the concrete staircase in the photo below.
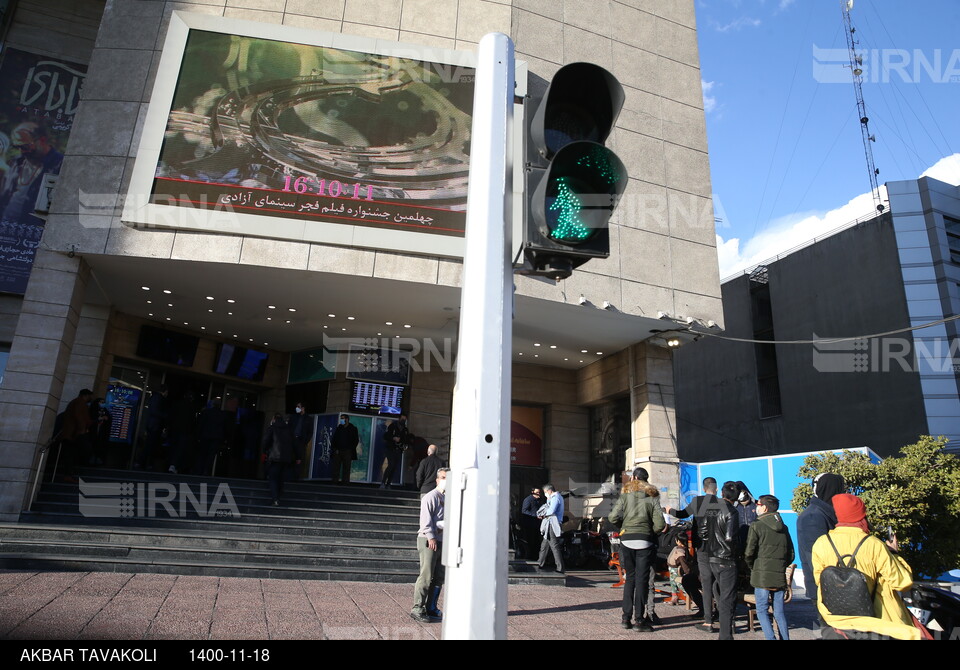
(123, 521)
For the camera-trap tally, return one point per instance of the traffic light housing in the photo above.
(572, 181)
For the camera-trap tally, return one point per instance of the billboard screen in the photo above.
(279, 132)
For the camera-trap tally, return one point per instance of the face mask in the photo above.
(342, 421)
(442, 485)
(299, 410)
(743, 497)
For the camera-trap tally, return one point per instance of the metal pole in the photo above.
(476, 512)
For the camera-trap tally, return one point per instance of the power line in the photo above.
(835, 340)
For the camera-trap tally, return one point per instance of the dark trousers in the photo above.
(706, 581)
(277, 473)
(691, 585)
(636, 565)
(550, 543)
(393, 460)
(342, 462)
(725, 574)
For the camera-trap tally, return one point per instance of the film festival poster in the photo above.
(38, 101)
(288, 130)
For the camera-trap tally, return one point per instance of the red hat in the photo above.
(850, 509)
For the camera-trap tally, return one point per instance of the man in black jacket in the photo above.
(396, 440)
(722, 541)
(343, 443)
(280, 452)
(698, 509)
(427, 471)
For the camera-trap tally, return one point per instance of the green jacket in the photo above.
(769, 552)
(638, 512)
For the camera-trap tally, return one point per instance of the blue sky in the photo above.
(786, 153)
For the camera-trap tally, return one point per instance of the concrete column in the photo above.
(84, 366)
(33, 386)
(652, 402)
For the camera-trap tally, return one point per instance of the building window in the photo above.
(4, 355)
(952, 227)
(768, 378)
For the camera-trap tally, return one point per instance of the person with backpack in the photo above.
(768, 554)
(855, 607)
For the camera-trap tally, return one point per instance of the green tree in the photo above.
(916, 494)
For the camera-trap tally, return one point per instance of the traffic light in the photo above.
(573, 182)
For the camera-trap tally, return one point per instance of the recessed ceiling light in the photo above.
(185, 323)
(151, 314)
(219, 332)
(521, 353)
(599, 353)
(536, 355)
(169, 304)
(388, 323)
(229, 313)
(536, 344)
(343, 329)
(379, 334)
(209, 297)
(167, 291)
(553, 346)
(406, 325)
(251, 339)
(234, 335)
(350, 318)
(271, 306)
(325, 327)
(583, 351)
(289, 322)
(266, 344)
(291, 309)
(168, 318)
(332, 316)
(203, 327)
(145, 288)
(210, 310)
(231, 301)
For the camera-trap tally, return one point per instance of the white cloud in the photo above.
(786, 233)
(709, 101)
(946, 170)
(742, 22)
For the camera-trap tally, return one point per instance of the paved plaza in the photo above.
(117, 606)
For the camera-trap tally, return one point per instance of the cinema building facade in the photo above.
(262, 203)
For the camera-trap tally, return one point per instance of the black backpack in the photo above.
(843, 588)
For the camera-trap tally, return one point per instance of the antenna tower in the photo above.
(856, 66)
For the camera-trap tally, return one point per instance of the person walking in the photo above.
(768, 553)
(280, 452)
(550, 515)
(640, 519)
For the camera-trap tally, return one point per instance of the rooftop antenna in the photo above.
(856, 66)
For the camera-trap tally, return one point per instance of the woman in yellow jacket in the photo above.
(885, 571)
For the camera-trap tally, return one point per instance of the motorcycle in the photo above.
(937, 609)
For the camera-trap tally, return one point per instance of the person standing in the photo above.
(280, 452)
(640, 519)
(814, 522)
(302, 426)
(768, 552)
(699, 508)
(529, 523)
(155, 426)
(723, 543)
(550, 515)
(344, 443)
(426, 478)
(396, 440)
(426, 592)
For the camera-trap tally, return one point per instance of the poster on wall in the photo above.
(526, 436)
(123, 403)
(321, 465)
(281, 132)
(38, 101)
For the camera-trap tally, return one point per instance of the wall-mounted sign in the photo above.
(275, 131)
(38, 102)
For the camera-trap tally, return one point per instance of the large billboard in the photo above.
(280, 132)
(38, 100)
